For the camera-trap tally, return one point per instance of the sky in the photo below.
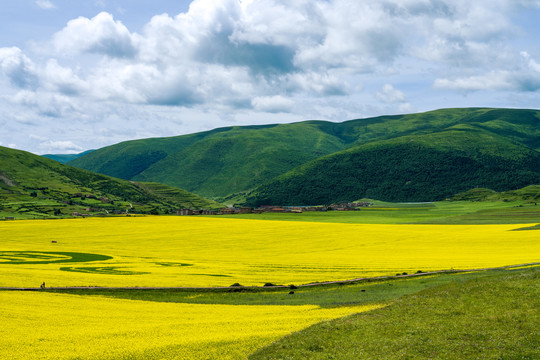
(80, 75)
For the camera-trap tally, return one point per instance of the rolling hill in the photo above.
(34, 186)
(416, 157)
(410, 168)
(218, 162)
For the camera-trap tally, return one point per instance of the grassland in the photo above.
(493, 317)
(514, 211)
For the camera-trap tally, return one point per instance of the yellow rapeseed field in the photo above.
(56, 326)
(199, 251)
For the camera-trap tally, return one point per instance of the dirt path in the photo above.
(228, 288)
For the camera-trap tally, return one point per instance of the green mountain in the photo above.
(64, 158)
(219, 162)
(416, 157)
(34, 186)
(410, 168)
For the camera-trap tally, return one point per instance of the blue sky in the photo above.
(78, 75)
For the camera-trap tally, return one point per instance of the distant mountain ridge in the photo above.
(415, 157)
(64, 158)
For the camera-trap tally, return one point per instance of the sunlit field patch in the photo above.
(54, 326)
(197, 251)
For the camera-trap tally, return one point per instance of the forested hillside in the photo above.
(412, 168)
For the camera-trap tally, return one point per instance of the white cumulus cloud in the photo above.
(389, 94)
(272, 104)
(101, 35)
(18, 68)
(61, 146)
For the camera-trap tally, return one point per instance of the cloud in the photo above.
(37, 137)
(231, 61)
(45, 103)
(61, 146)
(525, 77)
(45, 4)
(47, 145)
(357, 35)
(272, 104)
(318, 83)
(63, 79)
(494, 80)
(99, 35)
(389, 94)
(18, 68)
(225, 52)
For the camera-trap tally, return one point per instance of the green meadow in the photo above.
(491, 316)
(441, 212)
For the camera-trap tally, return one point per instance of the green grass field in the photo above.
(488, 317)
(441, 212)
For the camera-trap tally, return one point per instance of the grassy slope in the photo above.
(234, 160)
(241, 158)
(410, 168)
(53, 184)
(218, 162)
(176, 197)
(493, 317)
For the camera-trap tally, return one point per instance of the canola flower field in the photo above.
(59, 326)
(199, 252)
